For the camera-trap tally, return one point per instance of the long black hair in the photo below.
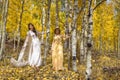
(34, 30)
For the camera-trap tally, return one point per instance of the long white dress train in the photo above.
(30, 53)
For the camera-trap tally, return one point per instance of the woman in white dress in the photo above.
(31, 51)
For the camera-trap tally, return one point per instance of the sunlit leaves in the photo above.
(104, 25)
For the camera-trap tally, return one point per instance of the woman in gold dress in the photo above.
(57, 50)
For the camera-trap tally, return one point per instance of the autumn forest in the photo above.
(92, 51)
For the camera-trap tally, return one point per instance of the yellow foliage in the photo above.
(104, 25)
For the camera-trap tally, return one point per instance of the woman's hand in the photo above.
(66, 37)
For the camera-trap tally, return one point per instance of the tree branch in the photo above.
(99, 4)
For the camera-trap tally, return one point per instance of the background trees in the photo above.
(92, 24)
(3, 26)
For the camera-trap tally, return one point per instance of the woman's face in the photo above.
(57, 32)
(31, 27)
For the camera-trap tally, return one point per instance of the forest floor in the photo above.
(104, 67)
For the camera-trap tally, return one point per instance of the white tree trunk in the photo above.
(5, 12)
(83, 47)
(74, 36)
(14, 41)
(70, 25)
(1, 4)
(85, 37)
(43, 21)
(1, 31)
(66, 24)
(66, 21)
(47, 32)
(89, 42)
(57, 14)
(74, 41)
(19, 25)
(43, 25)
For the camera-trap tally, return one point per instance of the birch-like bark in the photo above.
(43, 25)
(19, 25)
(89, 37)
(5, 12)
(0, 31)
(89, 41)
(43, 20)
(85, 37)
(1, 5)
(74, 37)
(2, 27)
(74, 41)
(85, 29)
(57, 14)
(67, 31)
(70, 25)
(82, 42)
(14, 42)
(66, 23)
(83, 46)
(47, 32)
